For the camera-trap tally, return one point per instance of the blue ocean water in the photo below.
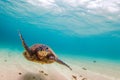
(67, 27)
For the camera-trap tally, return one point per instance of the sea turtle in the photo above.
(40, 53)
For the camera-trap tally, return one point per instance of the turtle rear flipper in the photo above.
(61, 62)
(24, 44)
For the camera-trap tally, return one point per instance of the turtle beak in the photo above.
(61, 62)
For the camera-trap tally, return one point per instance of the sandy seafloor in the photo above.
(74, 29)
(13, 66)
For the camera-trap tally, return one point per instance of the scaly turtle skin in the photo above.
(40, 53)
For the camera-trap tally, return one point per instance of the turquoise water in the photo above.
(67, 27)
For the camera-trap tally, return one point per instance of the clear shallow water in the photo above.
(69, 27)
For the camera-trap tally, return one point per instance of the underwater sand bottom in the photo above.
(13, 66)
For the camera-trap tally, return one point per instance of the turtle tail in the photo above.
(61, 62)
(24, 44)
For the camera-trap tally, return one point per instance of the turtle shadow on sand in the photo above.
(32, 76)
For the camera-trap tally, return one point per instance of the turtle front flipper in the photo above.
(61, 62)
(24, 44)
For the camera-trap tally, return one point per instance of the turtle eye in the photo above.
(40, 48)
(46, 47)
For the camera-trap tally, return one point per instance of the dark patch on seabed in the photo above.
(32, 76)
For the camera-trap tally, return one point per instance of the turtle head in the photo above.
(45, 52)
